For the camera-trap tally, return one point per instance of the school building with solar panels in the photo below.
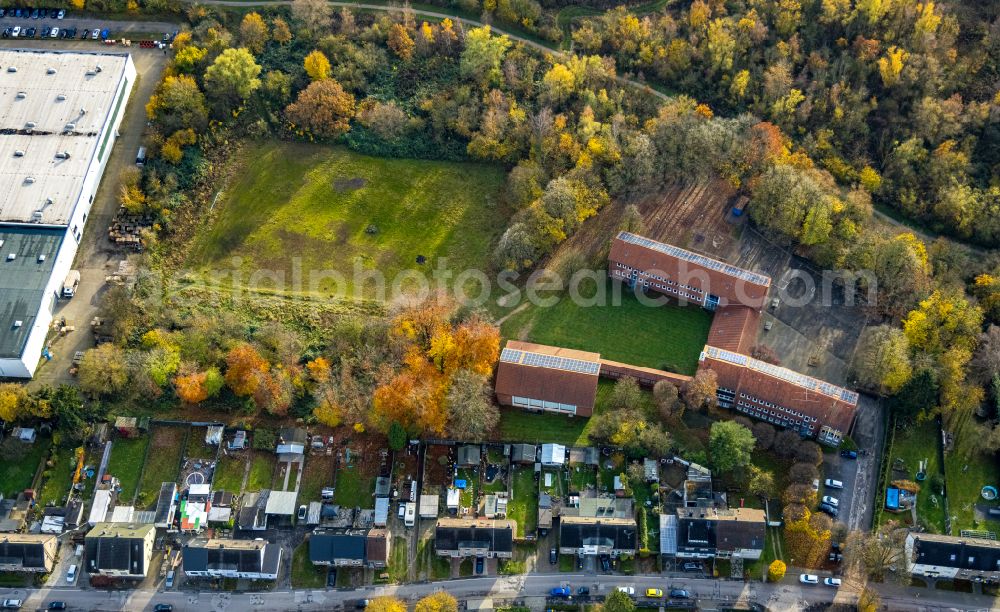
(59, 117)
(553, 379)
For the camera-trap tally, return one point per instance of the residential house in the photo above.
(119, 550)
(547, 378)
(224, 558)
(704, 533)
(350, 548)
(27, 552)
(459, 538)
(586, 535)
(931, 556)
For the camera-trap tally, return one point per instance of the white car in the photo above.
(808, 579)
(16, 32)
(816, 484)
(833, 501)
(12, 604)
(834, 484)
(95, 34)
(630, 591)
(71, 574)
(54, 33)
(61, 14)
(834, 582)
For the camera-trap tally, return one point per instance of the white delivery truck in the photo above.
(72, 282)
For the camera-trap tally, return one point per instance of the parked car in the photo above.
(553, 556)
(832, 511)
(57, 605)
(692, 566)
(583, 591)
(54, 33)
(679, 594)
(834, 484)
(163, 608)
(303, 509)
(45, 31)
(815, 484)
(480, 562)
(832, 582)
(95, 34)
(30, 32)
(849, 454)
(808, 579)
(6, 32)
(12, 604)
(563, 591)
(15, 32)
(35, 13)
(170, 580)
(105, 33)
(71, 574)
(605, 563)
(833, 501)
(61, 14)
(835, 557)
(630, 591)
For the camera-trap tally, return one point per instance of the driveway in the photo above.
(96, 258)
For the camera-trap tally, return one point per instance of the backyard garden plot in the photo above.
(196, 447)
(318, 473)
(125, 464)
(331, 209)
(58, 477)
(355, 487)
(909, 445)
(19, 462)
(261, 471)
(523, 505)
(229, 472)
(162, 462)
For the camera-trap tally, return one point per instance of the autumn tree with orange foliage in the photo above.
(246, 370)
(418, 396)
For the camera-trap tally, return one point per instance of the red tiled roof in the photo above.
(734, 328)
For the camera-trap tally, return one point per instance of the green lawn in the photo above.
(162, 463)
(469, 493)
(229, 473)
(672, 336)
(523, 506)
(196, 447)
(261, 471)
(399, 564)
(17, 472)
(127, 456)
(318, 474)
(523, 426)
(965, 478)
(60, 477)
(913, 443)
(304, 574)
(354, 489)
(334, 209)
(582, 476)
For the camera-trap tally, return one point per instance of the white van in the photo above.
(409, 519)
(71, 574)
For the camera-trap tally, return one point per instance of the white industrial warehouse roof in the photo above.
(68, 96)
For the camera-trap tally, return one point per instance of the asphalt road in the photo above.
(788, 595)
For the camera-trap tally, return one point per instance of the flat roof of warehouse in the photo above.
(52, 102)
(22, 281)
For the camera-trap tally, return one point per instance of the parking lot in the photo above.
(115, 29)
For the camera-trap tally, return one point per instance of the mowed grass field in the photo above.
(667, 337)
(334, 210)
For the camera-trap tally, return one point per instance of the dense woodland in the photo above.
(818, 111)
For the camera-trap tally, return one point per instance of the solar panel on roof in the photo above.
(560, 363)
(801, 380)
(695, 258)
(511, 355)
